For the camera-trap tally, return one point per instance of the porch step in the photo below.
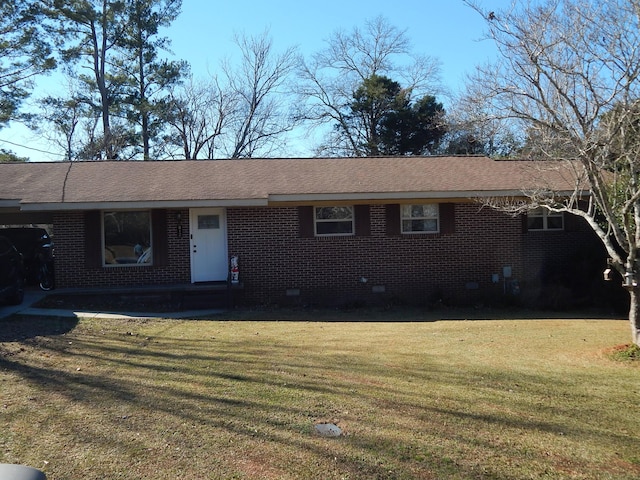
(205, 299)
(200, 296)
(210, 295)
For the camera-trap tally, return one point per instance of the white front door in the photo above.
(208, 244)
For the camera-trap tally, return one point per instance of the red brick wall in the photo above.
(419, 268)
(412, 268)
(564, 268)
(72, 270)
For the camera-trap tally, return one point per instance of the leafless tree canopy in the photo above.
(330, 78)
(197, 115)
(238, 114)
(260, 85)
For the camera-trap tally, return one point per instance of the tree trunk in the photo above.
(144, 112)
(634, 314)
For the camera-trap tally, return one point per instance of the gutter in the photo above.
(275, 200)
(146, 204)
(385, 197)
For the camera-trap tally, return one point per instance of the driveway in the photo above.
(31, 296)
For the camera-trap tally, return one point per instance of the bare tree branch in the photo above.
(332, 76)
(569, 73)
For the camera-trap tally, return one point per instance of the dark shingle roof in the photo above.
(261, 181)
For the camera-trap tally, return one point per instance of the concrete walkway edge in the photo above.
(32, 296)
(53, 312)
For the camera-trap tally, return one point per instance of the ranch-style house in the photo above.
(315, 231)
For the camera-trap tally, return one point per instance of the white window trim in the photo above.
(146, 253)
(316, 221)
(419, 232)
(545, 214)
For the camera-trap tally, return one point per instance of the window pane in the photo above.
(208, 222)
(431, 210)
(542, 219)
(127, 238)
(426, 225)
(334, 228)
(333, 220)
(535, 223)
(421, 211)
(420, 218)
(334, 213)
(554, 222)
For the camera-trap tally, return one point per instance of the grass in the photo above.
(625, 353)
(239, 399)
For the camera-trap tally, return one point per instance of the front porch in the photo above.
(143, 299)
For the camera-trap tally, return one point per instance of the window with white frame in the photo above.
(333, 221)
(543, 219)
(421, 218)
(127, 237)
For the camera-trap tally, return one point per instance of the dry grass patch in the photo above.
(223, 399)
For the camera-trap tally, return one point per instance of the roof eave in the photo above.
(142, 204)
(400, 196)
(10, 203)
(273, 200)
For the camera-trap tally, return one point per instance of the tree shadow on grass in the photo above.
(18, 327)
(190, 391)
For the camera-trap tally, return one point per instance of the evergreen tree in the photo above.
(385, 121)
(149, 77)
(24, 53)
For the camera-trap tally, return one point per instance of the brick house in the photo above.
(309, 231)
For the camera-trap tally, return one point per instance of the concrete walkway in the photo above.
(33, 295)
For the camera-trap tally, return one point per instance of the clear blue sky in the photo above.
(445, 29)
(203, 35)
